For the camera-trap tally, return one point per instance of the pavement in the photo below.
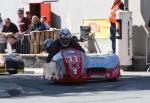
(134, 73)
(33, 70)
(40, 71)
(9, 89)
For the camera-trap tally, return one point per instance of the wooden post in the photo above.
(37, 43)
(41, 41)
(37, 39)
(32, 43)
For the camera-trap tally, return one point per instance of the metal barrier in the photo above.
(33, 43)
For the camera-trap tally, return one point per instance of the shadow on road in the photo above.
(36, 86)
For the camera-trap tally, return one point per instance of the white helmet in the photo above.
(48, 43)
(65, 37)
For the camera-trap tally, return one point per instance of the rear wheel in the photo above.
(112, 80)
(12, 71)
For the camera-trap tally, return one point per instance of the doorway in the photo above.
(41, 9)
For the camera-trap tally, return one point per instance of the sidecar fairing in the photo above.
(104, 66)
(66, 66)
(74, 66)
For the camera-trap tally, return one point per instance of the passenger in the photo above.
(65, 41)
(48, 43)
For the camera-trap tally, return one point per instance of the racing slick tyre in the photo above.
(11, 66)
(14, 64)
(12, 71)
(112, 80)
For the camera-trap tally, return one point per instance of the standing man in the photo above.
(28, 17)
(23, 23)
(118, 4)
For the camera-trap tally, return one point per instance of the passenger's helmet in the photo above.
(65, 37)
(48, 43)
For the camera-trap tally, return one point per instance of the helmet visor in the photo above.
(65, 40)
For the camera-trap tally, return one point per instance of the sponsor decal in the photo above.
(97, 76)
(95, 27)
(72, 59)
(74, 66)
(101, 27)
(75, 71)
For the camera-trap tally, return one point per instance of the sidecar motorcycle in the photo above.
(71, 65)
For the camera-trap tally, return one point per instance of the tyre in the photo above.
(20, 64)
(12, 71)
(112, 80)
(14, 64)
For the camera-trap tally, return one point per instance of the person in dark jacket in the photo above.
(43, 20)
(9, 30)
(9, 27)
(65, 41)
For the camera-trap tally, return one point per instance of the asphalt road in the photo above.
(130, 88)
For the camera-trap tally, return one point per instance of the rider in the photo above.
(65, 41)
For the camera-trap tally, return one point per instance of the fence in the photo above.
(33, 43)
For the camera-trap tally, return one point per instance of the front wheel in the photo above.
(112, 79)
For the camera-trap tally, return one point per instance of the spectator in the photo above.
(118, 4)
(9, 31)
(43, 20)
(28, 17)
(9, 28)
(23, 24)
(36, 25)
(1, 23)
(2, 38)
(22, 21)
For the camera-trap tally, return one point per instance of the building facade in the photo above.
(70, 13)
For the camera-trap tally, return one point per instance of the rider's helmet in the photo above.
(48, 43)
(65, 37)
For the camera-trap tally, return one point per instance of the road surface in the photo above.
(31, 88)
